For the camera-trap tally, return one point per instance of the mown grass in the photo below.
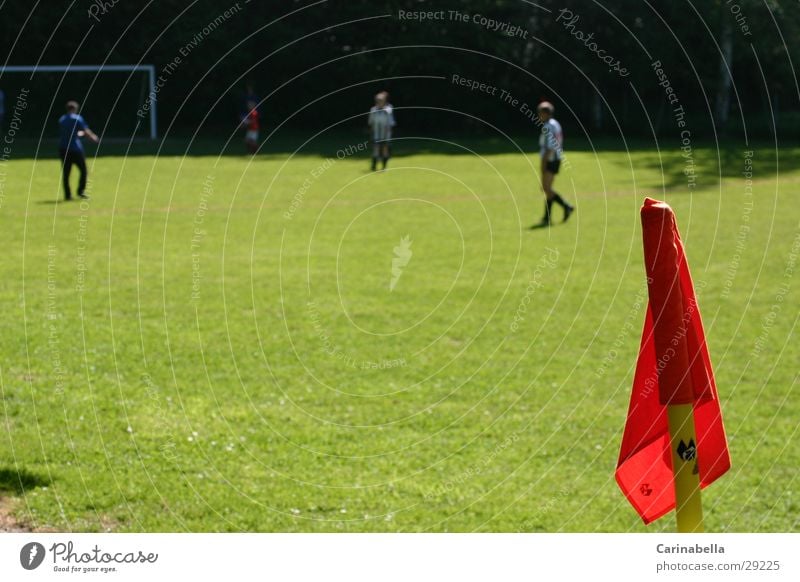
(210, 345)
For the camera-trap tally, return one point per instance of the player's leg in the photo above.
(554, 196)
(547, 188)
(376, 153)
(385, 153)
(80, 161)
(66, 169)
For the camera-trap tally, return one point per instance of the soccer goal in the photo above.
(118, 99)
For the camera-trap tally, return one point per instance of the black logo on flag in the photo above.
(645, 489)
(687, 452)
(31, 555)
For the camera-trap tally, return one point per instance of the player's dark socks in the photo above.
(568, 210)
(557, 198)
(374, 164)
(385, 161)
(548, 211)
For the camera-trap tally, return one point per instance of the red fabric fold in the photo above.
(673, 368)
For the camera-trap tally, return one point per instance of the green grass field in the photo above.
(212, 343)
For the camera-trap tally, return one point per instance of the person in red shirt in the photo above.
(252, 123)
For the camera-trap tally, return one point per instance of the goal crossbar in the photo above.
(149, 69)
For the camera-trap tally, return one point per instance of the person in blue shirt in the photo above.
(72, 128)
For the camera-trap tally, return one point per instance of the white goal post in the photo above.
(149, 69)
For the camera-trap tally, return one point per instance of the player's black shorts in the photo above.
(553, 166)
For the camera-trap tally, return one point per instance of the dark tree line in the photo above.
(317, 64)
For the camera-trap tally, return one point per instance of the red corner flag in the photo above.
(673, 368)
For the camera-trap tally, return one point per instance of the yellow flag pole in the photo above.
(686, 476)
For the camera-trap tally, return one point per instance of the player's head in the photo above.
(72, 106)
(545, 110)
(381, 98)
(251, 105)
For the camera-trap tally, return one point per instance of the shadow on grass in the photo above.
(703, 166)
(355, 143)
(18, 482)
(342, 145)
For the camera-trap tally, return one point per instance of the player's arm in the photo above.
(91, 135)
(548, 153)
(83, 130)
(551, 144)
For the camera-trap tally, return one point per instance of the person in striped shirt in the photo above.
(551, 149)
(381, 121)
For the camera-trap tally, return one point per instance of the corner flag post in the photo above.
(670, 330)
(686, 477)
(674, 440)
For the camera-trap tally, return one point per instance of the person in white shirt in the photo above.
(381, 121)
(551, 149)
